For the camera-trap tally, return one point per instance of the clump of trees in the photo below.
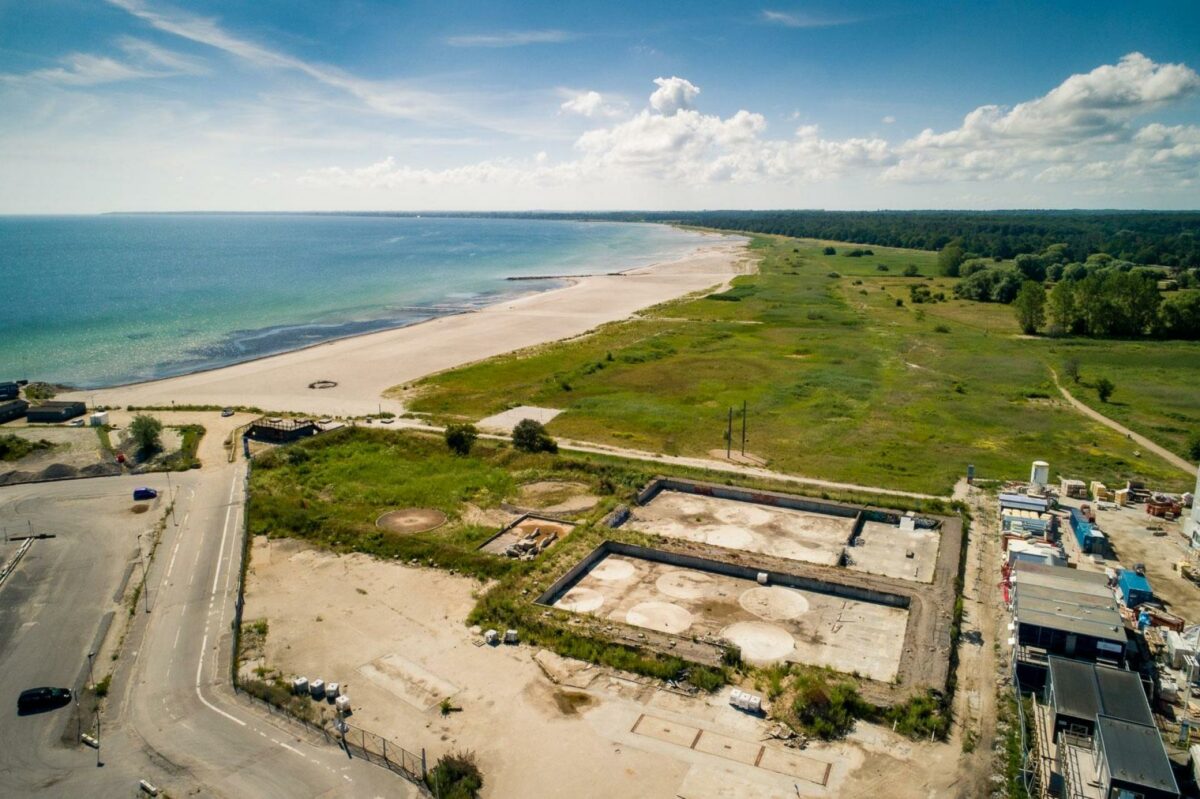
(456, 776)
(530, 435)
(1030, 307)
(990, 284)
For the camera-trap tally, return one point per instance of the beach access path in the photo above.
(364, 367)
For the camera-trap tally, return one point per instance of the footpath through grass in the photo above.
(845, 376)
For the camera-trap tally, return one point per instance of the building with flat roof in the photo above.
(1096, 737)
(12, 409)
(1066, 612)
(9, 390)
(54, 411)
(278, 430)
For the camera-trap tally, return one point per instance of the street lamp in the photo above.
(145, 577)
(91, 674)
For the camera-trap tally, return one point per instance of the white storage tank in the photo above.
(332, 690)
(1039, 475)
(317, 688)
(300, 685)
(342, 703)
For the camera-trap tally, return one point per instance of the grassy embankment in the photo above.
(14, 447)
(330, 490)
(846, 378)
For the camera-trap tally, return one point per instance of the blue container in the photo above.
(1135, 589)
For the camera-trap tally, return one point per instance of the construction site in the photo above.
(783, 578)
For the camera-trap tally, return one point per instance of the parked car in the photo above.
(144, 493)
(44, 698)
(227, 411)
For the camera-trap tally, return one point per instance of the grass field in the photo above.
(844, 376)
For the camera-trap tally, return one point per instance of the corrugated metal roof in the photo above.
(1024, 502)
(1135, 754)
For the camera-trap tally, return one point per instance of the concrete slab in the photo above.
(672, 732)
(769, 623)
(781, 532)
(884, 549)
(408, 681)
(505, 421)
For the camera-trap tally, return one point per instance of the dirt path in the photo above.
(975, 700)
(1086, 410)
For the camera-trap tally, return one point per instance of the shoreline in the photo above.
(366, 365)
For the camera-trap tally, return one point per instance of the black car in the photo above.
(36, 699)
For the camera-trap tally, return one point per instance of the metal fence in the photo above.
(355, 740)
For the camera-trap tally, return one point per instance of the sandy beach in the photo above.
(364, 367)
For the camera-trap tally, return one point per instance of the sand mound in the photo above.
(411, 520)
(558, 496)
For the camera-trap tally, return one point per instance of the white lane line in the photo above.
(292, 749)
(200, 696)
(174, 552)
(175, 646)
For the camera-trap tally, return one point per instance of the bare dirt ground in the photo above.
(411, 520)
(557, 496)
(541, 725)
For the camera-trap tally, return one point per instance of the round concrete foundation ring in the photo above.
(662, 616)
(774, 603)
(581, 600)
(760, 643)
(323, 384)
(411, 520)
(685, 584)
(613, 571)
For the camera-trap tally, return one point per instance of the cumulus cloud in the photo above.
(590, 104)
(1083, 114)
(673, 94)
(1083, 131)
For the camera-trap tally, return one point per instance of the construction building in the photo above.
(277, 430)
(1064, 612)
(1096, 737)
(12, 409)
(9, 391)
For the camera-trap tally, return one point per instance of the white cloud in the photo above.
(673, 94)
(391, 99)
(591, 104)
(889, 119)
(511, 38)
(1071, 124)
(144, 60)
(795, 19)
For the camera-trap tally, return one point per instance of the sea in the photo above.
(92, 301)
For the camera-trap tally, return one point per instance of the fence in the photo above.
(355, 740)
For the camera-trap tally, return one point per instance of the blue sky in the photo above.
(271, 105)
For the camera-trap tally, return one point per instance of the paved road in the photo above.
(170, 717)
(1087, 410)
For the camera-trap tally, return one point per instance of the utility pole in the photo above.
(743, 428)
(91, 674)
(171, 496)
(145, 577)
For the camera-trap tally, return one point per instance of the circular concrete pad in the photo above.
(730, 538)
(685, 584)
(612, 571)
(411, 520)
(662, 616)
(760, 642)
(581, 600)
(774, 603)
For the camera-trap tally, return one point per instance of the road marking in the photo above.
(176, 644)
(200, 696)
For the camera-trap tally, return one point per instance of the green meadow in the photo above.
(845, 378)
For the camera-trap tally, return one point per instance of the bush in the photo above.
(1105, 389)
(881, 267)
(530, 436)
(829, 251)
(827, 709)
(456, 776)
(460, 438)
(146, 432)
(911, 271)
(940, 328)
(994, 284)
(1193, 448)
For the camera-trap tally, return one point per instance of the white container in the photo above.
(300, 685)
(491, 637)
(511, 637)
(342, 703)
(99, 418)
(333, 691)
(317, 688)
(1039, 474)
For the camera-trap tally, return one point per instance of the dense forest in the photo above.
(1167, 238)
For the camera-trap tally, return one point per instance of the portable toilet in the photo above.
(1135, 589)
(1039, 474)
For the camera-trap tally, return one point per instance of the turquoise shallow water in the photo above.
(94, 301)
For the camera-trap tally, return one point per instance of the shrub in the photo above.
(456, 776)
(911, 271)
(940, 328)
(828, 709)
(829, 251)
(881, 267)
(530, 436)
(1071, 369)
(833, 275)
(146, 432)
(1105, 389)
(461, 437)
(1193, 447)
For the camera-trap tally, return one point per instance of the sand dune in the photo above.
(366, 366)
